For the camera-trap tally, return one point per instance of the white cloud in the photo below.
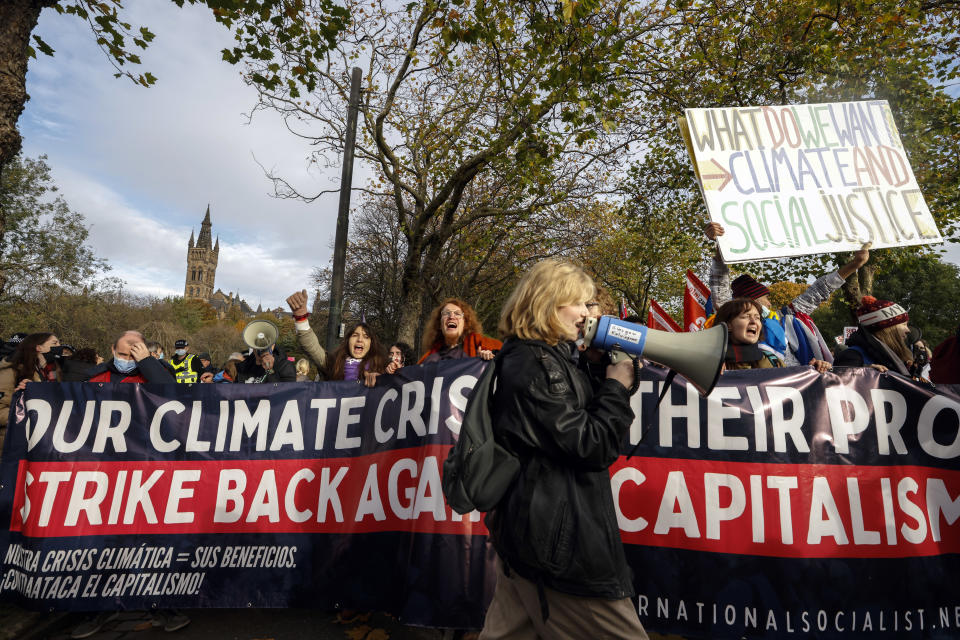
(142, 164)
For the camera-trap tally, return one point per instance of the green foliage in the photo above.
(190, 314)
(643, 248)
(928, 288)
(306, 25)
(95, 315)
(44, 240)
(930, 291)
(473, 114)
(731, 53)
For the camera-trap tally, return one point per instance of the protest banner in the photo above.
(806, 179)
(786, 504)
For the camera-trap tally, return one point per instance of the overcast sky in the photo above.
(142, 164)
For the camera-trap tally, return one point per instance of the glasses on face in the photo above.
(451, 314)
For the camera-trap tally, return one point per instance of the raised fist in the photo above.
(298, 303)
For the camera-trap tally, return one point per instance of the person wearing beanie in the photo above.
(791, 332)
(880, 339)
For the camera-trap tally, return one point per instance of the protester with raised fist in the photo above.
(306, 338)
(454, 331)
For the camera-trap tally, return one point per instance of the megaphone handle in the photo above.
(636, 376)
(667, 383)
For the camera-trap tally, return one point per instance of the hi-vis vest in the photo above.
(184, 371)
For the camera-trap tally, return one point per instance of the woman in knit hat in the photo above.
(880, 340)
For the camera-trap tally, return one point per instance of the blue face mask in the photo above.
(181, 352)
(124, 366)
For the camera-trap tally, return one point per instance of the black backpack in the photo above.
(478, 471)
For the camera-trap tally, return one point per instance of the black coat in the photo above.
(283, 369)
(75, 370)
(557, 524)
(878, 353)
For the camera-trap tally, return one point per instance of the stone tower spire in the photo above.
(201, 263)
(203, 241)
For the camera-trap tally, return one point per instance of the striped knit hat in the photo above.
(878, 314)
(746, 287)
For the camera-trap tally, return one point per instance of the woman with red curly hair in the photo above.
(454, 331)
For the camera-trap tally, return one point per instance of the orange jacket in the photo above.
(472, 344)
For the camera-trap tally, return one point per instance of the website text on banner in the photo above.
(784, 504)
(805, 179)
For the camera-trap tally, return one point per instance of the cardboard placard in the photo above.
(806, 179)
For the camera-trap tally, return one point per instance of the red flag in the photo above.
(660, 319)
(696, 299)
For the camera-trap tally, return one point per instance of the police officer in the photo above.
(186, 366)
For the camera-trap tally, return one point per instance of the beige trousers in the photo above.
(515, 614)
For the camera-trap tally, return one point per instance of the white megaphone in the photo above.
(697, 356)
(259, 335)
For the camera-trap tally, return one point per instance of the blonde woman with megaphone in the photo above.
(561, 569)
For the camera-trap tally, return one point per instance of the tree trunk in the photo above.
(867, 273)
(17, 20)
(859, 284)
(411, 300)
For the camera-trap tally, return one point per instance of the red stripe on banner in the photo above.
(391, 491)
(788, 510)
(778, 510)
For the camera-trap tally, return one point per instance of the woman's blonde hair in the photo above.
(303, 367)
(891, 337)
(530, 312)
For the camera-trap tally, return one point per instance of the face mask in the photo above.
(181, 352)
(124, 366)
(160, 355)
(55, 352)
(766, 312)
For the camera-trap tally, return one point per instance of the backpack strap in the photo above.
(667, 385)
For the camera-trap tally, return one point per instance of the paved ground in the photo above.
(224, 624)
(215, 624)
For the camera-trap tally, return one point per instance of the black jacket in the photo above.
(878, 353)
(556, 525)
(75, 370)
(283, 370)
